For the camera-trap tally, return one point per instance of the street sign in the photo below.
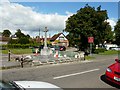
(90, 39)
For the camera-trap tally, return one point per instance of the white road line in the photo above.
(63, 76)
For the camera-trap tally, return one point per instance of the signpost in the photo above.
(90, 40)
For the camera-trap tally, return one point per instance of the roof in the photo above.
(55, 36)
(39, 39)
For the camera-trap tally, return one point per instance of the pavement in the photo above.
(5, 63)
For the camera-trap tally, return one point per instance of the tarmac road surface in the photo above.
(70, 75)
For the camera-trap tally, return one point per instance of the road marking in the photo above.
(63, 76)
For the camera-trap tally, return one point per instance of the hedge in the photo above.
(99, 50)
(18, 45)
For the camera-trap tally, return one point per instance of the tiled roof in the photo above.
(40, 39)
(55, 37)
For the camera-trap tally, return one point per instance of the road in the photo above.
(69, 75)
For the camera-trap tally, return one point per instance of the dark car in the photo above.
(59, 48)
(113, 72)
(62, 48)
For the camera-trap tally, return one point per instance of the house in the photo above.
(3, 40)
(14, 37)
(59, 39)
(38, 39)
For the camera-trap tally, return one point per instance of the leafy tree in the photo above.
(88, 22)
(23, 40)
(19, 34)
(6, 33)
(117, 33)
(13, 41)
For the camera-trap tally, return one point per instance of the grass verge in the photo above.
(109, 52)
(18, 51)
(89, 57)
(10, 67)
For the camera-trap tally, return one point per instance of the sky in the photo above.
(31, 17)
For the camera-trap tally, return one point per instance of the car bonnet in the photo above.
(35, 84)
(115, 67)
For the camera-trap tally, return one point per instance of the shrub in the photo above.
(99, 50)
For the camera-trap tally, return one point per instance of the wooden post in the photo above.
(9, 55)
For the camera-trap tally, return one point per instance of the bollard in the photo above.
(21, 61)
(9, 55)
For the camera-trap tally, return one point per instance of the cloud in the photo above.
(4, 1)
(69, 13)
(15, 16)
(112, 22)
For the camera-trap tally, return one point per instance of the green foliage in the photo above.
(19, 34)
(20, 45)
(6, 33)
(3, 47)
(23, 40)
(88, 22)
(18, 51)
(13, 41)
(99, 50)
(117, 33)
(109, 52)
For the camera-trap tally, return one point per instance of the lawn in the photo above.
(18, 51)
(89, 57)
(109, 52)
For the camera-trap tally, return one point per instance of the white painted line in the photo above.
(63, 76)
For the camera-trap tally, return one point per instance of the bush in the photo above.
(99, 50)
(3, 47)
(23, 46)
(14, 46)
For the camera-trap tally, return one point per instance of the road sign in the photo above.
(90, 39)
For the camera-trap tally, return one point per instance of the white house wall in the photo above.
(62, 36)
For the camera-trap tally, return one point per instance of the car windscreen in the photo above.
(7, 86)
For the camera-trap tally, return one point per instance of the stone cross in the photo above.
(45, 39)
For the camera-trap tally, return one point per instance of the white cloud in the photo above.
(69, 13)
(112, 22)
(16, 16)
(4, 1)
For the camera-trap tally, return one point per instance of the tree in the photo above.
(19, 34)
(23, 40)
(117, 32)
(88, 22)
(6, 33)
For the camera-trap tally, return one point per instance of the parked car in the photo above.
(60, 48)
(26, 85)
(113, 72)
(115, 48)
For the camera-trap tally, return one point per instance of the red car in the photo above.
(113, 72)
